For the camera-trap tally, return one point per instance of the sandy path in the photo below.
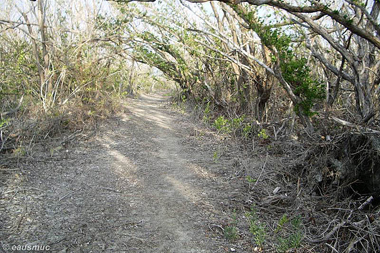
(165, 197)
(134, 188)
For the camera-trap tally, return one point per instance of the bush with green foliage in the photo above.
(294, 67)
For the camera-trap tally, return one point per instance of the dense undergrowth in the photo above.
(317, 202)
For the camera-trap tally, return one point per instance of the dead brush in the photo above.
(339, 199)
(344, 228)
(33, 125)
(338, 212)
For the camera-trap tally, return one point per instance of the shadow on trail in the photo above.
(170, 192)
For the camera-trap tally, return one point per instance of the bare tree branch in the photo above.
(315, 7)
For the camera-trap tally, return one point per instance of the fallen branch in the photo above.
(352, 125)
(368, 201)
(329, 235)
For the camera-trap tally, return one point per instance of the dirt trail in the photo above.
(138, 186)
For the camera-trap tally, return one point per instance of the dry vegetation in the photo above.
(292, 84)
(300, 190)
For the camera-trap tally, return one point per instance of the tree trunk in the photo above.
(263, 96)
(130, 89)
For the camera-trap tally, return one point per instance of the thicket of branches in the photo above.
(269, 60)
(323, 55)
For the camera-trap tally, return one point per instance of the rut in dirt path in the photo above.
(137, 187)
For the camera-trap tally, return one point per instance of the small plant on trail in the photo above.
(4, 122)
(183, 98)
(250, 181)
(19, 151)
(281, 223)
(215, 157)
(179, 107)
(231, 231)
(292, 240)
(256, 228)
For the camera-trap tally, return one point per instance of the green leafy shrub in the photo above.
(292, 238)
(293, 67)
(235, 125)
(222, 125)
(247, 130)
(263, 134)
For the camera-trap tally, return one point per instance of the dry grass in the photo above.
(32, 124)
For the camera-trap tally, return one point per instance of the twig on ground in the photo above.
(132, 236)
(65, 196)
(110, 189)
(329, 235)
(262, 170)
(331, 247)
(211, 226)
(3, 169)
(369, 200)
(18, 221)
